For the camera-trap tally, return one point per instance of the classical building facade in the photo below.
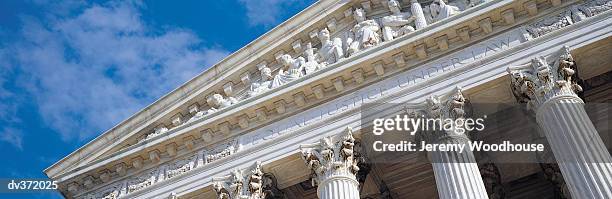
(283, 116)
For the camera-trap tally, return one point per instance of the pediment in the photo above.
(292, 37)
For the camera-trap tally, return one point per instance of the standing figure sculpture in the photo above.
(311, 64)
(365, 33)
(439, 10)
(294, 70)
(398, 23)
(331, 50)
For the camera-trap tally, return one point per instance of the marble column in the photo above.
(334, 166)
(456, 172)
(550, 90)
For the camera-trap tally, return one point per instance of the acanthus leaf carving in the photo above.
(448, 108)
(539, 81)
(331, 156)
(233, 185)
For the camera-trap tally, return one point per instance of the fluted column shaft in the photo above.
(457, 174)
(548, 85)
(583, 159)
(338, 187)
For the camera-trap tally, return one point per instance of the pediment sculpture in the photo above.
(331, 50)
(365, 34)
(439, 10)
(219, 102)
(398, 23)
(311, 64)
(264, 84)
(294, 70)
(157, 131)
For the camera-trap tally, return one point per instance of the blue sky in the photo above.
(71, 70)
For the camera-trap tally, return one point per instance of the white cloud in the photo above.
(90, 71)
(12, 136)
(267, 12)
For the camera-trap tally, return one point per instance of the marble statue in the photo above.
(201, 113)
(364, 34)
(439, 10)
(294, 70)
(264, 84)
(156, 132)
(331, 50)
(420, 21)
(219, 102)
(398, 23)
(311, 64)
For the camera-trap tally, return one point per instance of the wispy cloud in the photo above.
(12, 136)
(8, 106)
(267, 12)
(91, 70)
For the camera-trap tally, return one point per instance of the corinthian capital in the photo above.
(233, 186)
(445, 110)
(331, 157)
(451, 105)
(539, 80)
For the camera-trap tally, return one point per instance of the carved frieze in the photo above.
(220, 151)
(573, 14)
(181, 166)
(144, 180)
(113, 192)
(164, 171)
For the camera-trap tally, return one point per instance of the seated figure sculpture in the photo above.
(331, 50)
(157, 131)
(364, 34)
(439, 10)
(219, 102)
(264, 84)
(201, 114)
(294, 70)
(396, 24)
